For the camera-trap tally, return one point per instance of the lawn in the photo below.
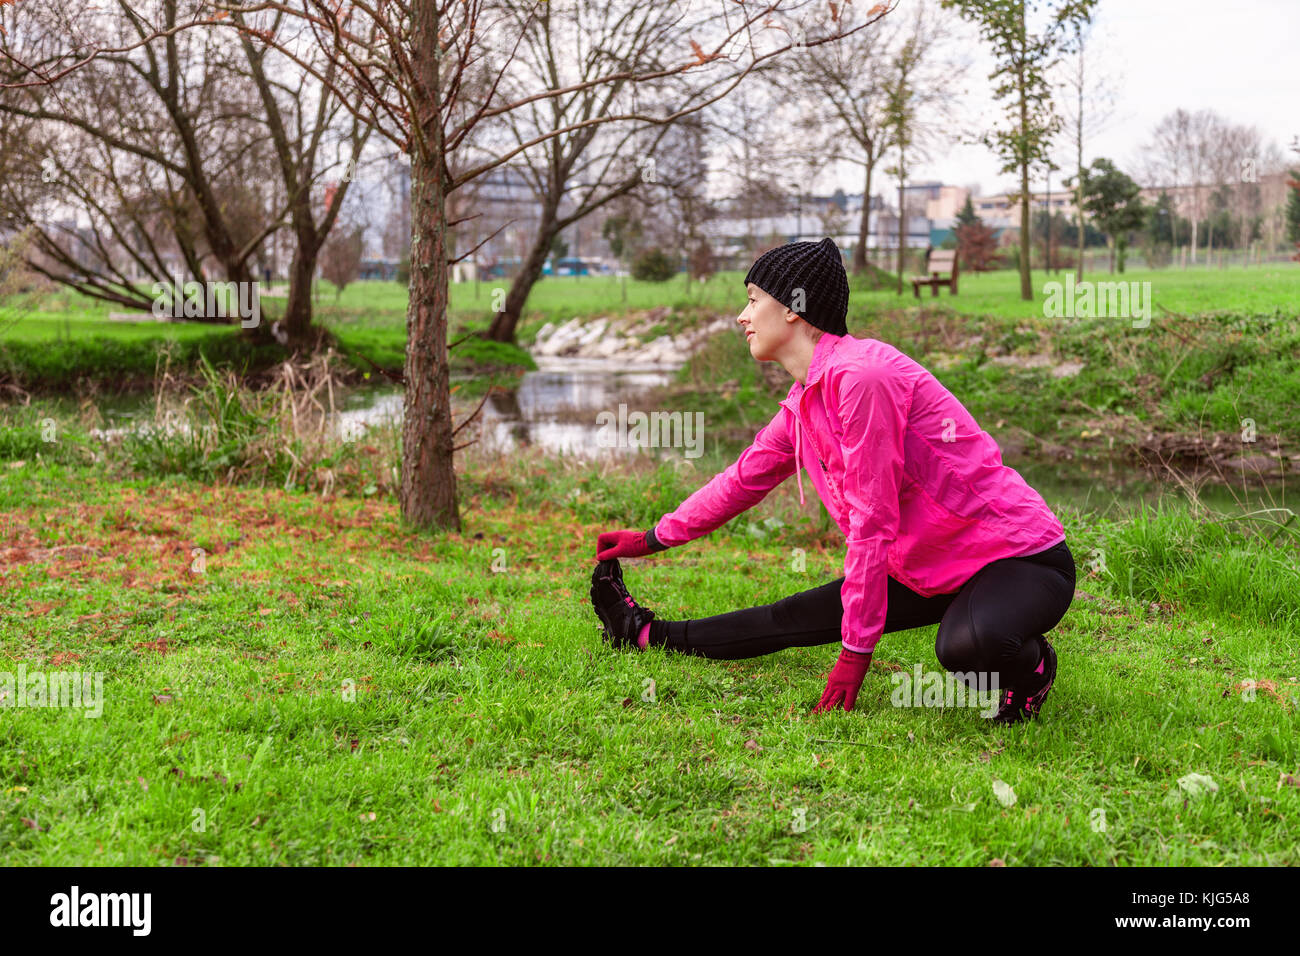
(294, 677)
(318, 685)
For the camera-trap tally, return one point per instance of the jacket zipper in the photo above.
(830, 479)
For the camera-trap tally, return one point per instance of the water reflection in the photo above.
(552, 408)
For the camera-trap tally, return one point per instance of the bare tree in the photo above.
(340, 256)
(682, 174)
(1170, 158)
(752, 140)
(842, 94)
(410, 69)
(169, 149)
(1087, 108)
(576, 169)
(918, 104)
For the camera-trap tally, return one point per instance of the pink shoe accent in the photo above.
(1041, 664)
(643, 638)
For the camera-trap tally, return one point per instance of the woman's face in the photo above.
(766, 327)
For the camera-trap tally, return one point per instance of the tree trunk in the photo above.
(1026, 281)
(1078, 182)
(296, 322)
(428, 490)
(864, 226)
(1196, 204)
(902, 221)
(504, 322)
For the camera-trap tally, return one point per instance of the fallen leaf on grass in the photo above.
(752, 744)
(1197, 784)
(996, 862)
(1002, 790)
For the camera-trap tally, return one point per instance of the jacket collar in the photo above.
(822, 353)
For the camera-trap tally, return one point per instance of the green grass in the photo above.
(333, 689)
(1263, 289)
(70, 340)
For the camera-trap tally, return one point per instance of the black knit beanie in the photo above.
(814, 267)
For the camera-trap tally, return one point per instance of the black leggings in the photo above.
(989, 625)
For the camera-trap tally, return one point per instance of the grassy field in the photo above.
(296, 678)
(319, 686)
(68, 337)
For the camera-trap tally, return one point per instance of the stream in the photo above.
(557, 406)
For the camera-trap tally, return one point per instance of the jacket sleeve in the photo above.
(871, 406)
(760, 468)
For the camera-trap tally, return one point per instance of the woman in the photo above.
(939, 530)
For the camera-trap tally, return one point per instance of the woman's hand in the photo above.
(844, 681)
(624, 544)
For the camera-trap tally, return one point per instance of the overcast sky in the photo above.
(1241, 59)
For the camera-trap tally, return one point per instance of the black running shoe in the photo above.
(1019, 705)
(621, 616)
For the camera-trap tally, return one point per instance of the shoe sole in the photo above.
(606, 625)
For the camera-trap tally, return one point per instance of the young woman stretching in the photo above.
(939, 530)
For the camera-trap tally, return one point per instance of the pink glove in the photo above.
(844, 681)
(626, 544)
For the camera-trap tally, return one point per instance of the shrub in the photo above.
(654, 265)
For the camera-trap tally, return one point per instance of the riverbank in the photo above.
(1210, 396)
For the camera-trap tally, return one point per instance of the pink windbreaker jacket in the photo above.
(917, 487)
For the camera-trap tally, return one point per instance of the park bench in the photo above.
(939, 261)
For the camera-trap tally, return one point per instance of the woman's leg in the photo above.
(996, 621)
(801, 620)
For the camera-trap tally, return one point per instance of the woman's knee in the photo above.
(957, 645)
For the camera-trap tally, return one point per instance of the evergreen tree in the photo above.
(1293, 208)
(1113, 200)
(967, 215)
(1160, 224)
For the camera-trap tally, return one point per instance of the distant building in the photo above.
(1003, 211)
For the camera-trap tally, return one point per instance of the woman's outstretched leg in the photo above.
(805, 619)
